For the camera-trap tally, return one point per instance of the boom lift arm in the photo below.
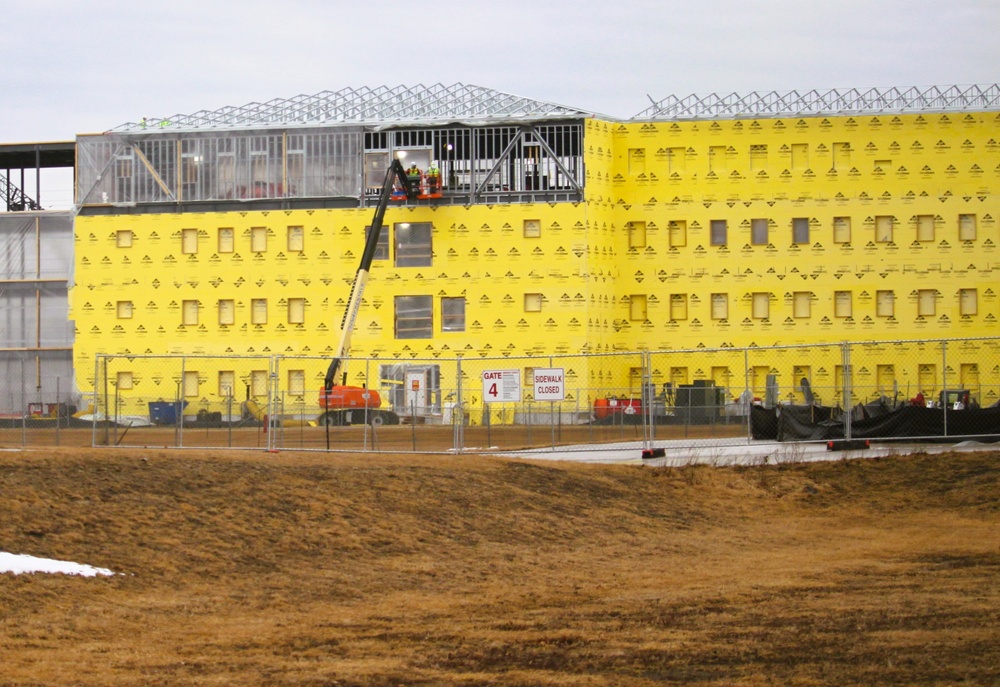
(394, 173)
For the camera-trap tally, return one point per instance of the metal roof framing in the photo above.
(372, 106)
(834, 101)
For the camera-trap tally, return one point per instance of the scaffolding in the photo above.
(369, 106)
(828, 102)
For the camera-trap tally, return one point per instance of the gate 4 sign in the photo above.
(549, 385)
(502, 386)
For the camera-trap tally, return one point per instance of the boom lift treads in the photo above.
(345, 404)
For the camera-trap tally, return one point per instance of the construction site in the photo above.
(709, 255)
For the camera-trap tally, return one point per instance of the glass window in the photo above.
(758, 232)
(414, 317)
(453, 314)
(413, 244)
(719, 232)
(637, 308)
(966, 227)
(800, 230)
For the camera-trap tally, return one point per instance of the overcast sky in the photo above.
(74, 67)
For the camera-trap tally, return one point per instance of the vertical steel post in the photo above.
(845, 361)
(944, 383)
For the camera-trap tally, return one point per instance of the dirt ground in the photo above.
(250, 568)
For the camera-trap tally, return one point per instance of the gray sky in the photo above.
(74, 67)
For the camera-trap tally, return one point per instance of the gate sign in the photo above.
(549, 385)
(502, 386)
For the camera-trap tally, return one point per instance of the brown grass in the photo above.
(318, 569)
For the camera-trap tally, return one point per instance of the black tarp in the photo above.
(875, 421)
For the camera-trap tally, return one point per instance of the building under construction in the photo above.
(709, 222)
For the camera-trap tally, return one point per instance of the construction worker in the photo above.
(433, 179)
(413, 177)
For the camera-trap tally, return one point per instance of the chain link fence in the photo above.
(916, 390)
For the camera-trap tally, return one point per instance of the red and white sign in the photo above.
(549, 384)
(502, 386)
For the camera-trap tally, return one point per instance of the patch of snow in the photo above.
(17, 564)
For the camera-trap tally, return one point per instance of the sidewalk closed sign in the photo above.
(502, 386)
(549, 385)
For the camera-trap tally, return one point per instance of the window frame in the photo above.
(409, 248)
(422, 326)
(715, 227)
(448, 317)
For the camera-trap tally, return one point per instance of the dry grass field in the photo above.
(248, 568)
